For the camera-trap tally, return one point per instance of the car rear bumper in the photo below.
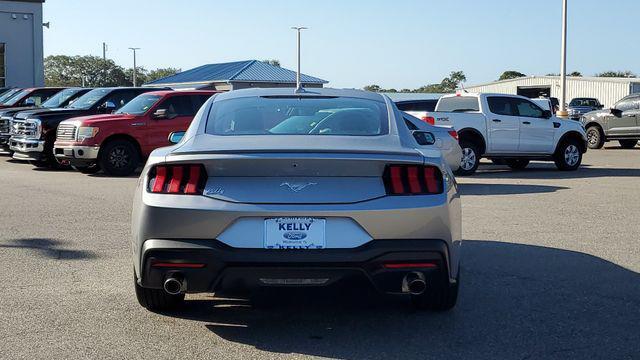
(76, 154)
(214, 266)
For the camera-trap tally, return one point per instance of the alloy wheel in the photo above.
(118, 157)
(468, 159)
(571, 155)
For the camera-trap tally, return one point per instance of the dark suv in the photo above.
(580, 106)
(621, 122)
(33, 132)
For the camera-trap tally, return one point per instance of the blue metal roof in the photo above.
(240, 71)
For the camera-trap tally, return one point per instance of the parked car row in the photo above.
(113, 129)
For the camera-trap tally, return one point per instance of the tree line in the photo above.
(94, 71)
(453, 81)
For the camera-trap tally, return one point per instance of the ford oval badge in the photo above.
(294, 235)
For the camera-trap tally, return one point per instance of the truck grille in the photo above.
(25, 129)
(4, 125)
(66, 132)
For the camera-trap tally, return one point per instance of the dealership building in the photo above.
(236, 75)
(21, 58)
(607, 90)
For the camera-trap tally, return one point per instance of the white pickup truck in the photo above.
(509, 129)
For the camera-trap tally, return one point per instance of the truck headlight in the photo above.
(86, 132)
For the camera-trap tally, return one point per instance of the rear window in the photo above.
(298, 116)
(422, 105)
(458, 104)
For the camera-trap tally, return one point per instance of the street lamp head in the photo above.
(299, 28)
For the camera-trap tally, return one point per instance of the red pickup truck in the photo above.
(117, 143)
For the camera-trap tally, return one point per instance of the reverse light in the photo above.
(86, 132)
(429, 119)
(413, 180)
(188, 179)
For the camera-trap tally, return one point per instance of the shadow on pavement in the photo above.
(48, 248)
(516, 302)
(549, 171)
(506, 189)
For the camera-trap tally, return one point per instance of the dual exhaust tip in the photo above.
(414, 283)
(175, 284)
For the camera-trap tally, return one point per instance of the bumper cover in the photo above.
(76, 154)
(227, 268)
(27, 149)
(4, 144)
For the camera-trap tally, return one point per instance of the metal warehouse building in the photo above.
(21, 59)
(607, 90)
(236, 75)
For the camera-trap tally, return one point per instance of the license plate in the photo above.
(294, 233)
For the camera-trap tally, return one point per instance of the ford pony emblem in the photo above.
(295, 187)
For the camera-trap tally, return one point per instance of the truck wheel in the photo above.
(595, 137)
(517, 164)
(568, 155)
(470, 158)
(438, 297)
(87, 169)
(157, 299)
(628, 144)
(119, 158)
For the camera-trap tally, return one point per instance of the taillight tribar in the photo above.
(413, 180)
(185, 179)
(429, 119)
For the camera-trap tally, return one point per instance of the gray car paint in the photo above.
(176, 217)
(616, 125)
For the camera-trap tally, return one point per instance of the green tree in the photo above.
(274, 62)
(575, 73)
(141, 76)
(161, 73)
(623, 74)
(92, 71)
(447, 85)
(511, 74)
(373, 88)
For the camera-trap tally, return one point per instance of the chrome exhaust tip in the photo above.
(414, 283)
(175, 285)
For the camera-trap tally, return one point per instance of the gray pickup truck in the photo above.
(621, 123)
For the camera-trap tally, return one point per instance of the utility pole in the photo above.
(104, 51)
(135, 69)
(563, 65)
(298, 82)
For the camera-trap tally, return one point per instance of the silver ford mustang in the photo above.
(272, 187)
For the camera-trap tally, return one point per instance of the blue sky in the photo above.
(400, 43)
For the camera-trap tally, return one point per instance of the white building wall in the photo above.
(607, 91)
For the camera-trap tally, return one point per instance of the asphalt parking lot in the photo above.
(550, 270)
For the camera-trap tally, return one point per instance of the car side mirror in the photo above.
(176, 136)
(160, 114)
(30, 102)
(108, 106)
(616, 112)
(546, 114)
(423, 137)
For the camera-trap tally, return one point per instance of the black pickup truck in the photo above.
(33, 132)
(60, 99)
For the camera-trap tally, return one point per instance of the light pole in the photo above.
(298, 83)
(563, 65)
(135, 70)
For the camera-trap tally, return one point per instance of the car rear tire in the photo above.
(119, 158)
(628, 144)
(517, 164)
(470, 158)
(595, 137)
(568, 156)
(440, 296)
(157, 299)
(87, 169)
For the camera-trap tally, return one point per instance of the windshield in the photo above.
(139, 105)
(7, 95)
(584, 102)
(16, 97)
(59, 98)
(298, 116)
(89, 99)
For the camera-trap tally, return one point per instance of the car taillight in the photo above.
(429, 119)
(454, 134)
(178, 179)
(413, 180)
